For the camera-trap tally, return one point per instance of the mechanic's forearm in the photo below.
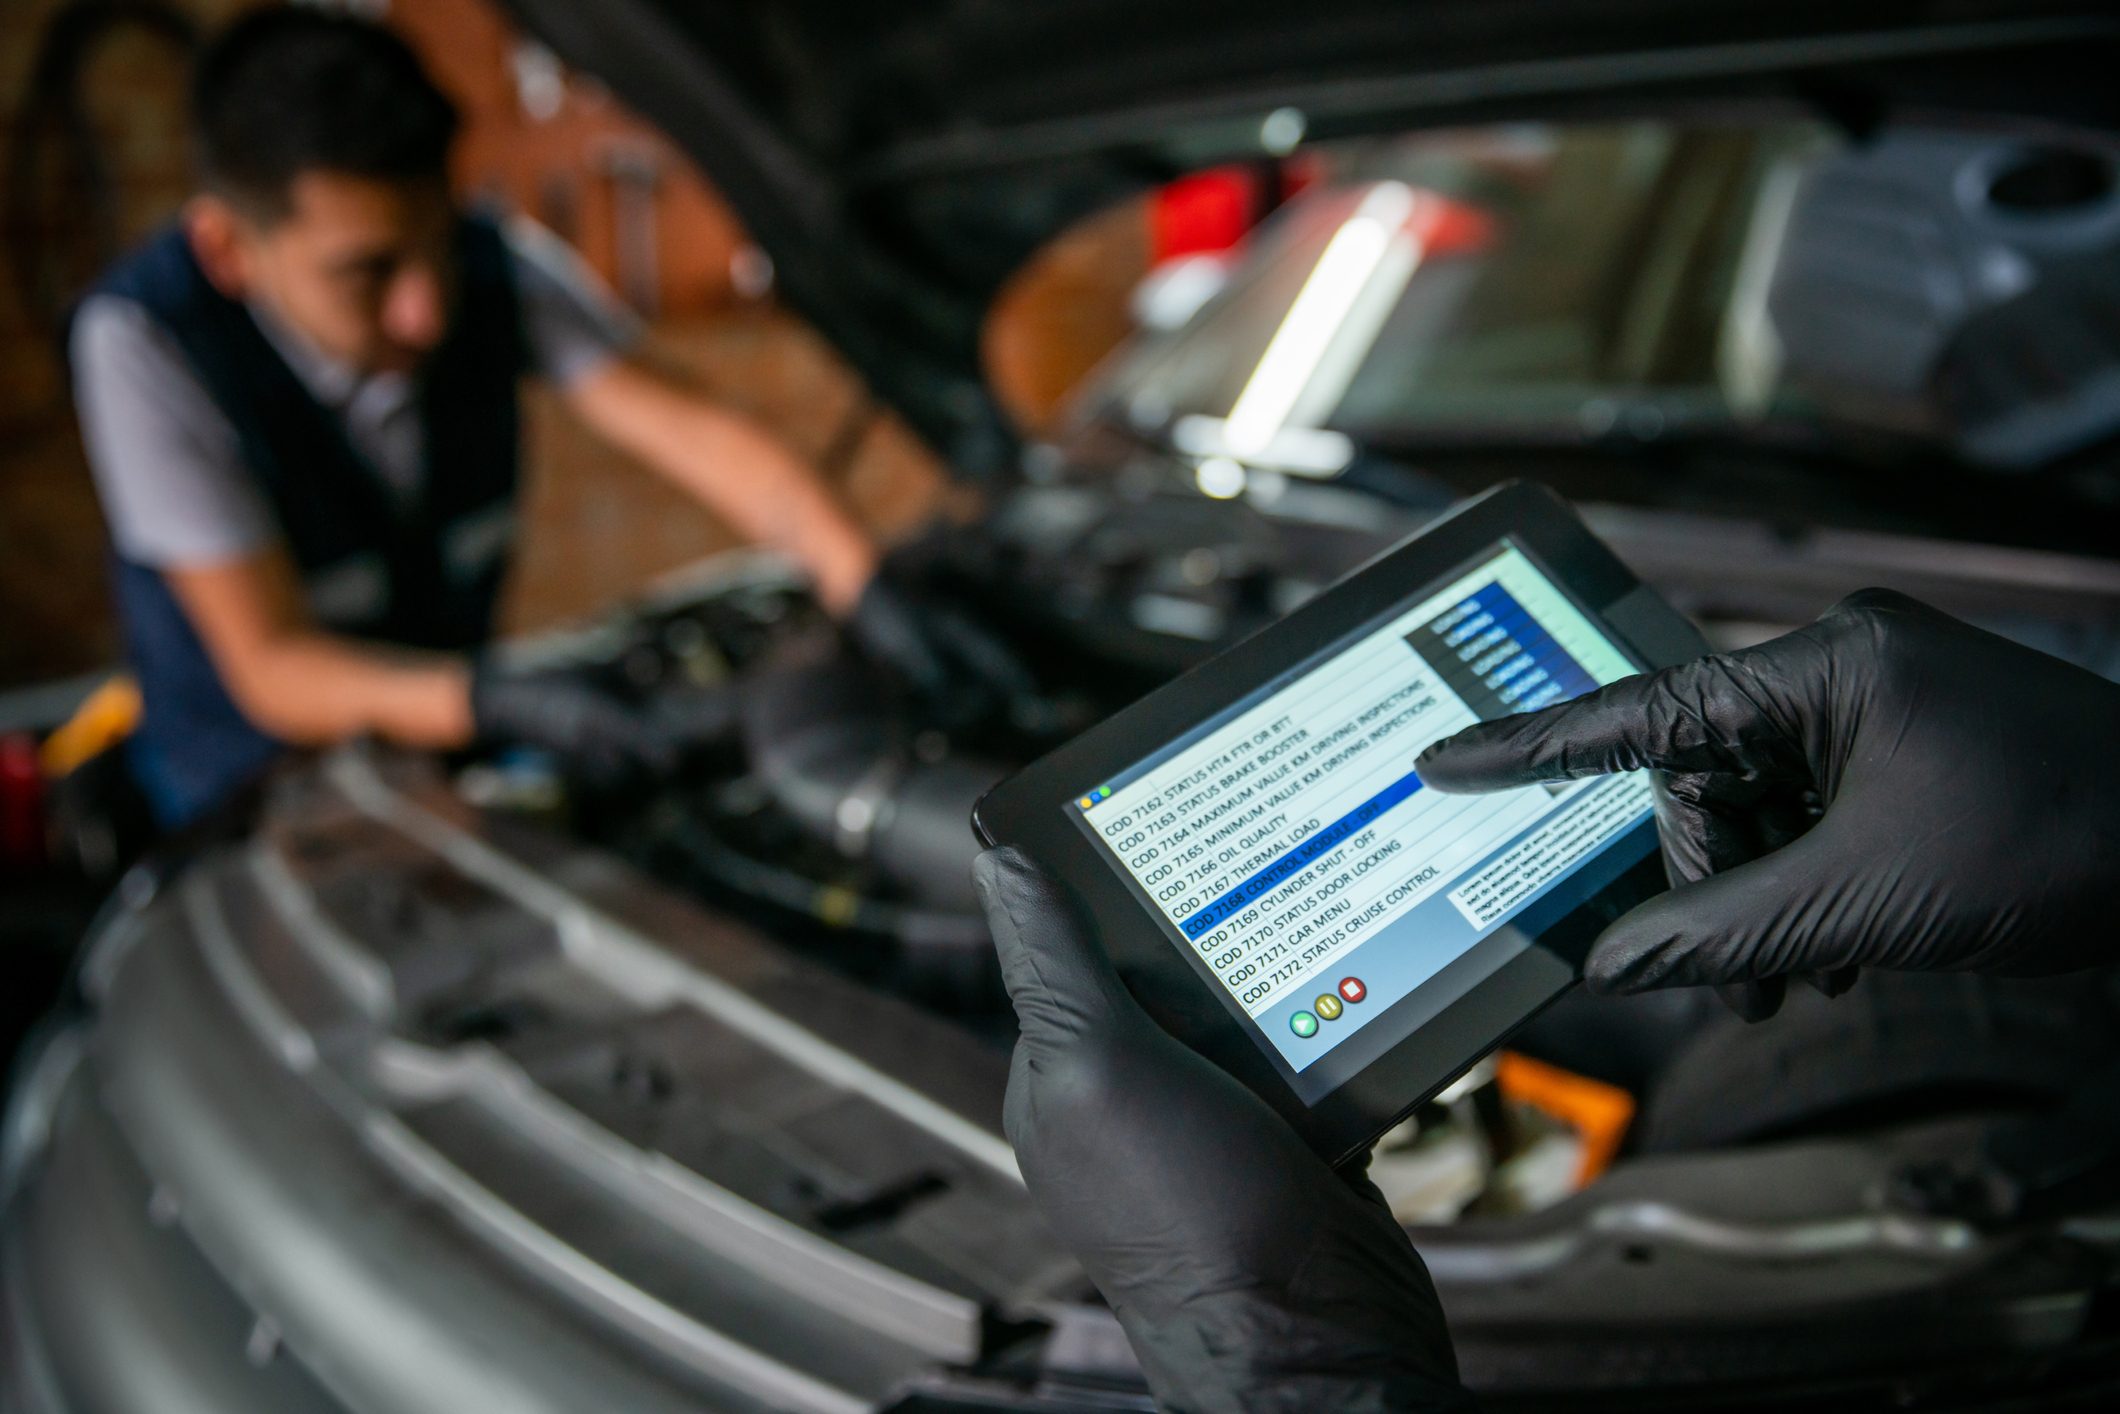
(746, 475)
(313, 689)
(771, 496)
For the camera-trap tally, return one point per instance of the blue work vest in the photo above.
(424, 574)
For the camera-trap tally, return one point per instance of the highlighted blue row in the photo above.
(1232, 901)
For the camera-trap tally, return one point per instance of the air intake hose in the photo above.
(822, 739)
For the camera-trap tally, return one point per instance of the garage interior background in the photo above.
(432, 1094)
(537, 140)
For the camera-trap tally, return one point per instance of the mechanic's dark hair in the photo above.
(286, 91)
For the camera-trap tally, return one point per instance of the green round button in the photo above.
(1303, 1024)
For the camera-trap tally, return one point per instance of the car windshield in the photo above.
(1647, 279)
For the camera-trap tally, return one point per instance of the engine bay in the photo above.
(832, 816)
(691, 1090)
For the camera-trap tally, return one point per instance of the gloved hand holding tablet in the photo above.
(1268, 872)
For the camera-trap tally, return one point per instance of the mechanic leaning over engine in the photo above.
(1887, 788)
(299, 401)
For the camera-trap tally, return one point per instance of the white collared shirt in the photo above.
(168, 464)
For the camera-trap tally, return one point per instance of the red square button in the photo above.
(1352, 989)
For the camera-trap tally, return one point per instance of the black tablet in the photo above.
(1267, 871)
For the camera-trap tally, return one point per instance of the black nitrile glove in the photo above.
(1247, 1274)
(598, 734)
(1887, 788)
(955, 664)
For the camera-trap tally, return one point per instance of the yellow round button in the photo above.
(1328, 1006)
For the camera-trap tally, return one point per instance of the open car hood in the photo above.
(899, 162)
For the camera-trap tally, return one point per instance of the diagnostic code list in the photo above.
(1280, 840)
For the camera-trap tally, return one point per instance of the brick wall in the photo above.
(53, 610)
(133, 92)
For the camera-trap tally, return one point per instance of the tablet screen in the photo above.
(1289, 845)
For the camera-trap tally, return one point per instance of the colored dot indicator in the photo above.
(1328, 1005)
(1352, 989)
(1303, 1024)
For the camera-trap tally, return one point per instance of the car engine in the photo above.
(687, 1095)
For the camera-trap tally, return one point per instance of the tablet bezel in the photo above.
(1028, 811)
